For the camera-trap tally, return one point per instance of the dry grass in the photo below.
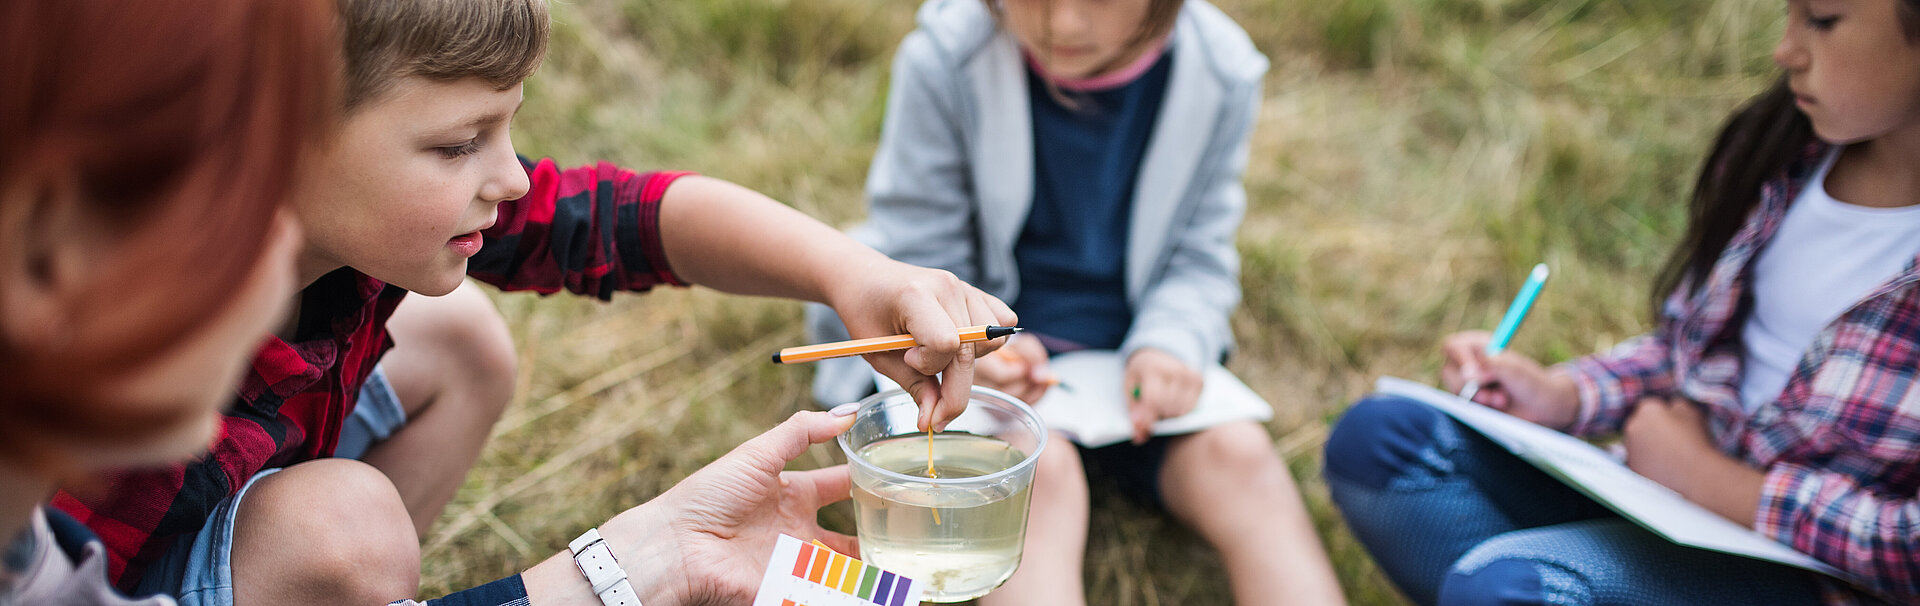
(1414, 157)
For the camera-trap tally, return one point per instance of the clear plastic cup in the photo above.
(959, 533)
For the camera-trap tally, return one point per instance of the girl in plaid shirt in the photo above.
(1777, 389)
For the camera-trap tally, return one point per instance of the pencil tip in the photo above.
(776, 358)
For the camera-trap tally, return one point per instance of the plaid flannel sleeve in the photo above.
(1873, 536)
(592, 230)
(1610, 382)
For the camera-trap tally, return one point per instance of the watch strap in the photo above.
(595, 559)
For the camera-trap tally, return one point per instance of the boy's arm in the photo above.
(598, 230)
(592, 230)
(736, 240)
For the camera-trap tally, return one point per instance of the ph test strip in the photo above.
(807, 574)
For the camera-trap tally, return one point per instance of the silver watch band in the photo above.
(595, 560)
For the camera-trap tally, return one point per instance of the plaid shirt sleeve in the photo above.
(1610, 382)
(1873, 536)
(592, 230)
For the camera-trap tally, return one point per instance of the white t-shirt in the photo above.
(1826, 256)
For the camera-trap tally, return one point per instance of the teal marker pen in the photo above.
(1510, 323)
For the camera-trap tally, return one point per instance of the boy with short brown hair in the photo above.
(420, 189)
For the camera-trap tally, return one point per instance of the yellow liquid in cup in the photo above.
(976, 545)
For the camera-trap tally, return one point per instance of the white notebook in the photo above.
(1089, 408)
(1597, 474)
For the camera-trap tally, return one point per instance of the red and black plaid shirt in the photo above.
(592, 230)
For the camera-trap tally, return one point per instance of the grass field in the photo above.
(1414, 157)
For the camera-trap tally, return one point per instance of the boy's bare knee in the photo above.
(331, 527)
(476, 328)
(466, 340)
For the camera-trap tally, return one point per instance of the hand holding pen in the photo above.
(1020, 368)
(1479, 368)
(887, 297)
(875, 349)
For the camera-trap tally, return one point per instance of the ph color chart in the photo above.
(806, 574)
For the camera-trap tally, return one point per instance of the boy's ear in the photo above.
(50, 247)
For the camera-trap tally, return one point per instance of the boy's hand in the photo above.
(889, 298)
(1158, 386)
(702, 541)
(1509, 382)
(1018, 368)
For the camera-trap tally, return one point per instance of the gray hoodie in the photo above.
(952, 181)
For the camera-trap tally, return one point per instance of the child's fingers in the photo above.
(1465, 353)
(1492, 398)
(1143, 419)
(934, 322)
(956, 388)
(924, 389)
(1001, 370)
(985, 309)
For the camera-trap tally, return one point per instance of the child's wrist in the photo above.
(1566, 394)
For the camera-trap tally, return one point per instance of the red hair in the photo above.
(181, 120)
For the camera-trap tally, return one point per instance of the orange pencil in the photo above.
(809, 353)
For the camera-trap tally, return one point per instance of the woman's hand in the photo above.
(890, 298)
(1509, 382)
(1018, 368)
(1668, 441)
(707, 539)
(1158, 386)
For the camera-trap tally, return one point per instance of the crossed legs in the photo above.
(339, 531)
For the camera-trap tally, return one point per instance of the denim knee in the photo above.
(1505, 582)
(1380, 438)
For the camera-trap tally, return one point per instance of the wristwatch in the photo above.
(595, 560)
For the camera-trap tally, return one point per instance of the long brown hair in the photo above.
(183, 121)
(1764, 136)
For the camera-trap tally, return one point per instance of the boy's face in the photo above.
(403, 192)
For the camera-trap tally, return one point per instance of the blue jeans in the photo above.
(1454, 519)
(198, 569)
